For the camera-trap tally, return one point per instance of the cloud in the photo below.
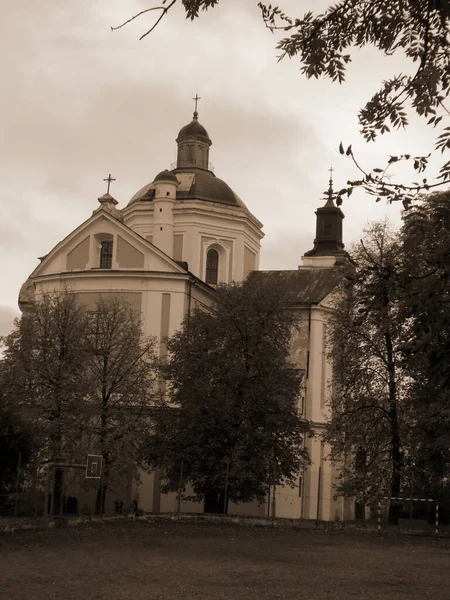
(285, 249)
(83, 102)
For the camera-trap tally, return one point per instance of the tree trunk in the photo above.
(396, 448)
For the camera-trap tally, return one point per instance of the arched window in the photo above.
(106, 251)
(212, 266)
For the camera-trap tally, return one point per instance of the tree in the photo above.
(16, 438)
(369, 415)
(122, 370)
(426, 239)
(233, 398)
(44, 374)
(323, 42)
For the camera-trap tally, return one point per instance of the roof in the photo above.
(195, 184)
(193, 129)
(306, 286)
(166, 176)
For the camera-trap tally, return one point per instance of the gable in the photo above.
(128, 256)
(82, 250)
(78, 257)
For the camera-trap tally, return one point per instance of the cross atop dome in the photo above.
(196, 98)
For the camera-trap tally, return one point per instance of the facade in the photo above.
(179, 235)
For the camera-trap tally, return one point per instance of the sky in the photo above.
(80, 101)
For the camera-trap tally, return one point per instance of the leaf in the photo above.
(341, 148)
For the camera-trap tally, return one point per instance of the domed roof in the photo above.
(195, 184)
(166, 175)
(193, 129)
(26, 294)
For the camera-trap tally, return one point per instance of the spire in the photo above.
(330, 193)
(328, 240)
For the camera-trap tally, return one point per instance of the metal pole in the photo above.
(227, 468)
(319, 491)
(379, 517)
(17, 483)
(61, 499)
(411, 498)
(101, 497)
(436, 532)
(52, 498)
(274, 489)
(36, 492)
(47, 487)
(180, 485)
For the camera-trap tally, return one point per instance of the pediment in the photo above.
(86, 247)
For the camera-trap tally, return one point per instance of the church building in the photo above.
(180, 235)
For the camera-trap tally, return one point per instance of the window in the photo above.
(212, 266)
(327, 226)
(106, 255)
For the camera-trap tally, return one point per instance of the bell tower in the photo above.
(328, 247)
(193, 144)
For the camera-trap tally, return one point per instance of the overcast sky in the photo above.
(80, 101)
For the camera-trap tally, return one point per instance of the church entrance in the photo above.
(214, 501)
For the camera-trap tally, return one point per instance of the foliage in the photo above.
(83, 380)
(44, 373)
(16, 436)
(416, 28)
(43, 366)
(369, 409)
(234, 396)
(121, 367)
(426, 240)
(324, 44)
(392, 357)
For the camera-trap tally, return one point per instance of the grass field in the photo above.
(169, 560)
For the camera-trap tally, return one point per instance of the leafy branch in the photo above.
(323, 44)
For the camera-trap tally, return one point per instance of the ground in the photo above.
(170, 560)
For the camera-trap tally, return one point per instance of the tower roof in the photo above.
(166, 175)
(193, 129)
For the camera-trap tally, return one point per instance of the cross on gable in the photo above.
(109, 179)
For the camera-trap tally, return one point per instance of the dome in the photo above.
(26, 294)
(166, 175)
(193, 129)
(194, 184)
